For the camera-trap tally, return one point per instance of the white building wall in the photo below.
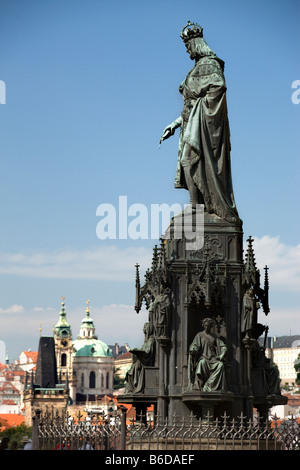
(285, 359)
(103, 369)
(283, 411)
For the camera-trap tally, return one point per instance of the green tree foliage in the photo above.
(297, 369)
(119, 382)
(12, 438)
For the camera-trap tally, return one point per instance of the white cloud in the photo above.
(42, 309)
(14, 309)
(115, 323)
(283, 262)
(282, 321)
(105, 264)
(112, 263)
(119, 322)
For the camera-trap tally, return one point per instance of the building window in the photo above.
(63, 360)
(92, 380)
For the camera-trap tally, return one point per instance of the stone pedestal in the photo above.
(204, 280)
(208, 404)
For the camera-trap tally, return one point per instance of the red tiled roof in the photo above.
(293, 400)
(8, 386)
(280, 421)
(31, 354)
(126, 355)
(131, 411)
(17, 372)
(10, 420)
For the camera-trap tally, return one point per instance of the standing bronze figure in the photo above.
(204, 145)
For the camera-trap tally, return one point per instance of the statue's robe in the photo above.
(205, 128)
(205, 370)
(141, 358)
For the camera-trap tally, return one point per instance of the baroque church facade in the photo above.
(85, 364)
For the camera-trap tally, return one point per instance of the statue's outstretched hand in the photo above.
(170, 130)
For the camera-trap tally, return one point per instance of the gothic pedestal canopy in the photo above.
(195, 301)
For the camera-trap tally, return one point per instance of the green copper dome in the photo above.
(87, 344)
(87, 321)
(91, 347)
(62, 327)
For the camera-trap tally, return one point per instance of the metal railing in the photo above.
(98, 432)
(52, 431)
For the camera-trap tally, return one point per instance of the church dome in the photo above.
(91, 347)
(87, 343)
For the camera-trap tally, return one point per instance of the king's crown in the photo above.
(190, 31)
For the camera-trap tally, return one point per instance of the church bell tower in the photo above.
(64, 348)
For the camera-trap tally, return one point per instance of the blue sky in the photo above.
(90, 86)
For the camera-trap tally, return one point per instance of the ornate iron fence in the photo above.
(63, 432)
(97, 432)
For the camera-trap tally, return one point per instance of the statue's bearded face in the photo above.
(208, 324)
(190, 49)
